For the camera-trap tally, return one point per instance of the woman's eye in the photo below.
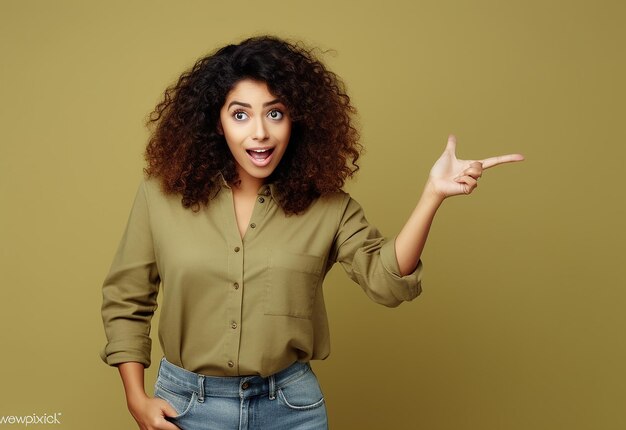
(275, 114)
(240, 116)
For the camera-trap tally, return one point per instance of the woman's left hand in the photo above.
(450, 176)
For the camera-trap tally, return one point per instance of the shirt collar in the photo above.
(265, 190)
(220, 179)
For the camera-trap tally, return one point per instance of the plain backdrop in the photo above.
(521, 321)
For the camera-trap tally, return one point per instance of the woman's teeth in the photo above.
(260, 154)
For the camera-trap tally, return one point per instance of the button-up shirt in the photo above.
(239, 306)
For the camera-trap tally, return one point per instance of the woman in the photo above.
(238, 220)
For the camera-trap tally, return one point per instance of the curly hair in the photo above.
(187, 152)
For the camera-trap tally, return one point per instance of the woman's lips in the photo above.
(260, 157)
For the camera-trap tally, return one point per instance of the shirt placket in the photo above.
(236, 264)
(235, 271)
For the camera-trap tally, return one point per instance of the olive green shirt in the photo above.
(233, 306)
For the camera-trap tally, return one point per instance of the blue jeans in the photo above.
(290, 399)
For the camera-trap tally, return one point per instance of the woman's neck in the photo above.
(248, 185)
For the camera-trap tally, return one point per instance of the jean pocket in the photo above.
(292, 281)
(303, 393)
(180, 398)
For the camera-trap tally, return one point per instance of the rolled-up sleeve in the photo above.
(130, 289)
(370, 260)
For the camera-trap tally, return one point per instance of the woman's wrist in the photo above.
(431, 196)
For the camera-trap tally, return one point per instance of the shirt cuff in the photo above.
(406, 287)
(125, 350)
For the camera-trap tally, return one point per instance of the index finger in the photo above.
(501, 159)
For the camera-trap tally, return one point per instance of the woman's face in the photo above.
(257, 128)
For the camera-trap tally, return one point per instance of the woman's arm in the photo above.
(149, 412)
(448, 177)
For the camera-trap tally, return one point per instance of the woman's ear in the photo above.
(220, 130)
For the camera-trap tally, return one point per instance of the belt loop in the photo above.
(201, 386)
(272, 387)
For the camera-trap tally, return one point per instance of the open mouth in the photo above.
(260, 157)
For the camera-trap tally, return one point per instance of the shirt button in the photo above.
(236, 285)
(253, 225)
(234, 325)
(230, 363)
(261, 200)
(237, 249)
(245, 385)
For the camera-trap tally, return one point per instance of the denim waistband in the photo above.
(231, 386)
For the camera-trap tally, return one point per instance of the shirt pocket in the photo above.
(292, 283)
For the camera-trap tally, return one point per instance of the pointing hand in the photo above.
(450, 176)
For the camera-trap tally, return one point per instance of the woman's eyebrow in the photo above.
(273, 102)
(235, 102)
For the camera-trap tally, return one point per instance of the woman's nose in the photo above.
(260, 131)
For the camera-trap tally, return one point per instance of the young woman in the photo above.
(238, 220)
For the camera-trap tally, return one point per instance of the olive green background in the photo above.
(521, 323)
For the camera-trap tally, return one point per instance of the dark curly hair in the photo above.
(187, 152)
